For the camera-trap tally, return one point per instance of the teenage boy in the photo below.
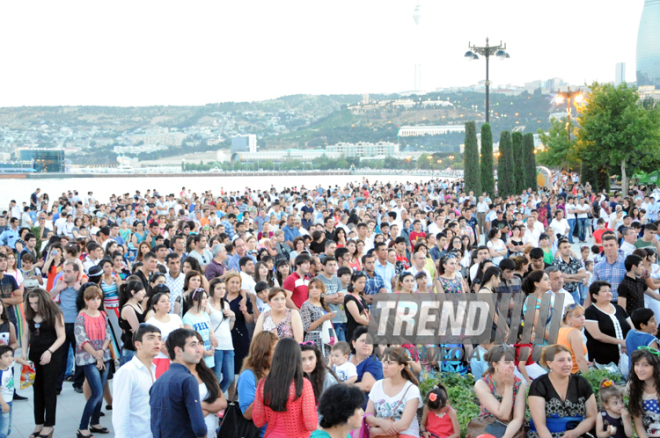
(131, 416)
(176, 410)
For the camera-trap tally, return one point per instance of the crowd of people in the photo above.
(171, 307)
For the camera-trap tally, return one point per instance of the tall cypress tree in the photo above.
(519, 174)
(530, 161)
(471, 159)
(505, 167)
(487, 172)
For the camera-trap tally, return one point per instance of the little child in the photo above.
(7, 387)
(32, 277)
(124, 232)
(438, 418)
(261, 289)
(613, 420)
(345, 370)
(645, 330)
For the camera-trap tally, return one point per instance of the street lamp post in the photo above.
(567, 95)
(487, 51)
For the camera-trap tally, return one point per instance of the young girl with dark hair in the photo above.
(393, 401)
(198, 320)
(316, 370)
(356, 313)
(222, 322)
(644, 391)
(167, 322)
(285, 397)
(438, 418)
(131, 295)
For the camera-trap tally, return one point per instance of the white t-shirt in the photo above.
(7, 383)
(387, 406)
(165, 329)
(221, 326)
(345, 371)
(498, 247)
(570, 211)
(560, 227)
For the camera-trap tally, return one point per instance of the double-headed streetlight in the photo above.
(576, 96)
(487, 51)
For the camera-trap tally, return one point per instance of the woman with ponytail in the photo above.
(131, 316)
(167, 322)
(394, 400)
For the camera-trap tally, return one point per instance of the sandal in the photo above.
(99, 429)
(35, 434)
(80, 435)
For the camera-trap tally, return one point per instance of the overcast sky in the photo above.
(190, 53)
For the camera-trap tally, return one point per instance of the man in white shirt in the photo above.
(131, 416)
(560, 225)
(557, 287)
(482, 210)
(532, 234)
(582, 211)
(419, 260)
(629, 240)
(570, 217)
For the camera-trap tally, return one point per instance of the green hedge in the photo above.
(462, 398)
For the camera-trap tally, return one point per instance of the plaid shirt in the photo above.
(374, 284)
(229, 229)
(612, 273)
(572, 267)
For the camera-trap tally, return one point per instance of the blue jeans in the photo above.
(340, 329)
(96, 380)
(571, 223)
(224, 368)
(5, 422)
(582, 229)
(70, 360)
(126, 356)
(576, 296)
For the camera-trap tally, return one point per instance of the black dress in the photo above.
(614, 325)
(351, 325)
(575, 404)
(41, 338)
(239, 334)
(126, 333)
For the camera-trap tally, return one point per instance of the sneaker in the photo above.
(19, 397)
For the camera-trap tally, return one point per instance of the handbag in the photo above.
(328, 335)
(235, 425)
(363, 431)
(477, 426)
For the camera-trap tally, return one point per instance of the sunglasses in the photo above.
(308, 343)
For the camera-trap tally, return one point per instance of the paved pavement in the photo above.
(69, 411)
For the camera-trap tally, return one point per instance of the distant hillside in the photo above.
(290, 121)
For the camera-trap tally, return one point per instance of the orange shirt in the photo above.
(562, 339)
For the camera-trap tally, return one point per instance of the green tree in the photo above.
(559, 151)
(519, 174)
(471, 159)
(487, 171)
(505, 167)
(616, 130)
(529, 161)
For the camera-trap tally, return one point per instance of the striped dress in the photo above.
(111, 303)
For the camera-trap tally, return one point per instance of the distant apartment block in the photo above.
(364, 149)
(159, 137)
(244, 143)
(419, 131)
(646, 91)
